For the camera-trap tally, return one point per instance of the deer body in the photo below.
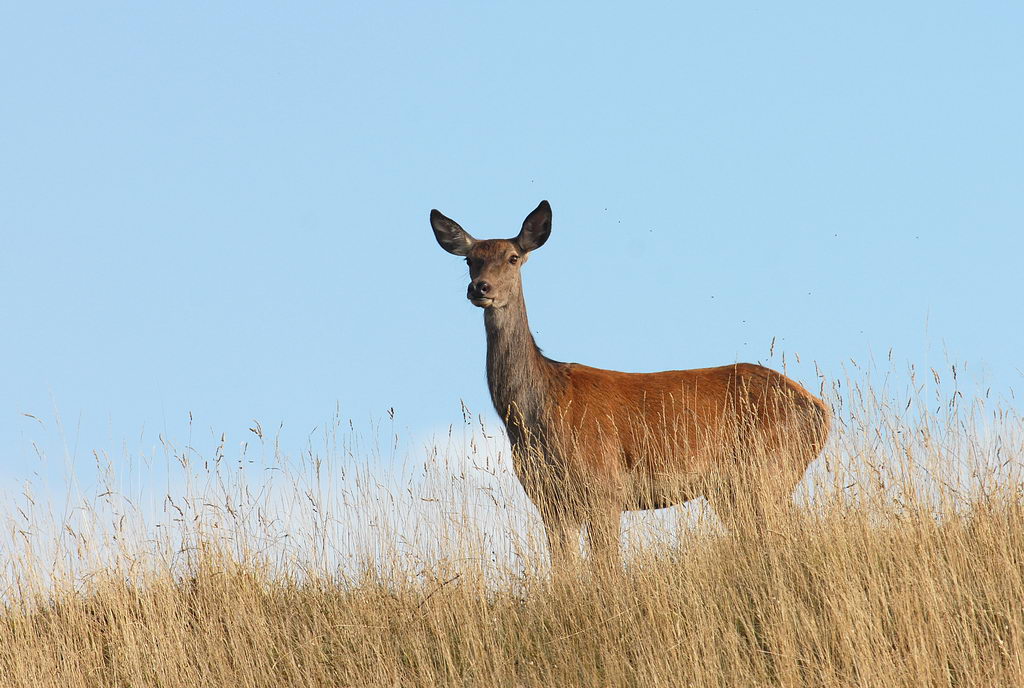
(588, 443)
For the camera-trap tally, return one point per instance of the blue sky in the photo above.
(222, 210)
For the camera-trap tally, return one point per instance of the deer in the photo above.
(588, 444)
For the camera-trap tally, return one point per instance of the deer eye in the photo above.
(513, 259)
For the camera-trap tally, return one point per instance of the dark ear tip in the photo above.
(434, 214)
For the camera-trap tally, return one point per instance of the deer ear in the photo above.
(453, 239)
(536, 228)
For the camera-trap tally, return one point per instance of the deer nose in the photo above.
(479, 289)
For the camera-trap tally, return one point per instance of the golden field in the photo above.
(903, 566)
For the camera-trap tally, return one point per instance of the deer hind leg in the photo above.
(738, 504)
(724, 501)
(752, 507)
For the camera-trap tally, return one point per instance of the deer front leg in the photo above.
(603, 530)
(563, 534)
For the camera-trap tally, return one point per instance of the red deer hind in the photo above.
(588, 444)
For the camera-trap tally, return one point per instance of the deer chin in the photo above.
(483, 302)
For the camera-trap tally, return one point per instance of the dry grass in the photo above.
(905, 567)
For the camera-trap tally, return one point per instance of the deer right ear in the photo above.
(453, 239)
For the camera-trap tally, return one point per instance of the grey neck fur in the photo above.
(518, 375)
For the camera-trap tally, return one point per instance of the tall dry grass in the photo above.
(904, 566)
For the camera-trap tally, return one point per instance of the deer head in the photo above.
(493, 263)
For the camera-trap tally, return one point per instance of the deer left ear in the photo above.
(536, 228)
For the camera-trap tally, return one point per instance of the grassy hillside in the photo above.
(904, 567)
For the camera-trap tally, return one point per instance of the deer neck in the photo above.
(517, 373)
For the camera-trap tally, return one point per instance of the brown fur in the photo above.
(588, 443)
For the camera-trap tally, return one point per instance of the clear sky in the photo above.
(223, 209)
